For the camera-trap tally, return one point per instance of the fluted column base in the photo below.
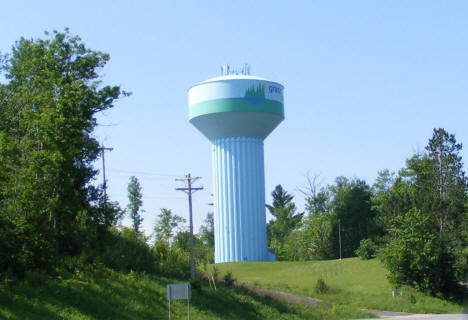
(239, 200)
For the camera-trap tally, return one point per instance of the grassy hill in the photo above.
(353, 283)
(106, 294)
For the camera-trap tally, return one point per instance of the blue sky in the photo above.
(365, 83)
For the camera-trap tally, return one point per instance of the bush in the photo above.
(228, 280)
(366, 249)
(35, 277)
(172, 262)
(196, 285)
(123, 250)
(321, 287)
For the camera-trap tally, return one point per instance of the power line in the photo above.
(144, 173)
(188, 180)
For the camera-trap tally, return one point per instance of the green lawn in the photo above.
(111, 295)
(353, 283)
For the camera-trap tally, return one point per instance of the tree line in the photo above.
(415, 221)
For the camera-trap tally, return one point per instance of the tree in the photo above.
(391, 198)
(317, 198)
(135, 203)
(104, 213)
(286, 219)
(414, 256)
(435, 194)
(166, 224)
(446, 180)
(351, 205)
(313, 240)
(316, 239)
(207, 230)
(462, 258)
(48, 108)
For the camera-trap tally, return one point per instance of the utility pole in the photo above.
(339, 234)
(188, 180)
(104, 184)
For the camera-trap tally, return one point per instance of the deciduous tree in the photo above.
(166, 224)
(48, 108)
(134, 203)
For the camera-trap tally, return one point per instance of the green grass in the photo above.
(353, 283)
(106, 294)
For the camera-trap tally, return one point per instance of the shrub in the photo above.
(321, 287)
(196, 285)
(228, 280)
(123, 250)
(172, 262)
(36, 277)
(366, 249)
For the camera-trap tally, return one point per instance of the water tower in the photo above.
(236, 112)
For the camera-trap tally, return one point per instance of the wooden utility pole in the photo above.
(104, 184)
(189, 180)
(339, 234)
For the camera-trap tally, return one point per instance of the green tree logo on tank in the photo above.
(257, 92)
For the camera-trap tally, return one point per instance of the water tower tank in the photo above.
(236, 113)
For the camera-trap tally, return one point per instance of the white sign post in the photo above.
(179, 292)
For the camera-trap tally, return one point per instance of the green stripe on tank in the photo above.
(235, 105)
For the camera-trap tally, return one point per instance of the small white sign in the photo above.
(178, 291)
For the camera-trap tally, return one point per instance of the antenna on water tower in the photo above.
(246, 69)
(225, 70)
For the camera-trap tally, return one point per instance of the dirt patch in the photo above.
(386, 314)
(283, 296)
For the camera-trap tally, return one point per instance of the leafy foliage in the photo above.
(316, 237)
(366, 249)
(425, 218)
(414, 257)
(135, 202)
(124, 250)
(47, 116)
(352, 207)
(166, 224)
(207, 230)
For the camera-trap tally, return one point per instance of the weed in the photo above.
(321, 287)
(228, 280)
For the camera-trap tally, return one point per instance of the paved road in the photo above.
(428, 317)
(434, 316)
